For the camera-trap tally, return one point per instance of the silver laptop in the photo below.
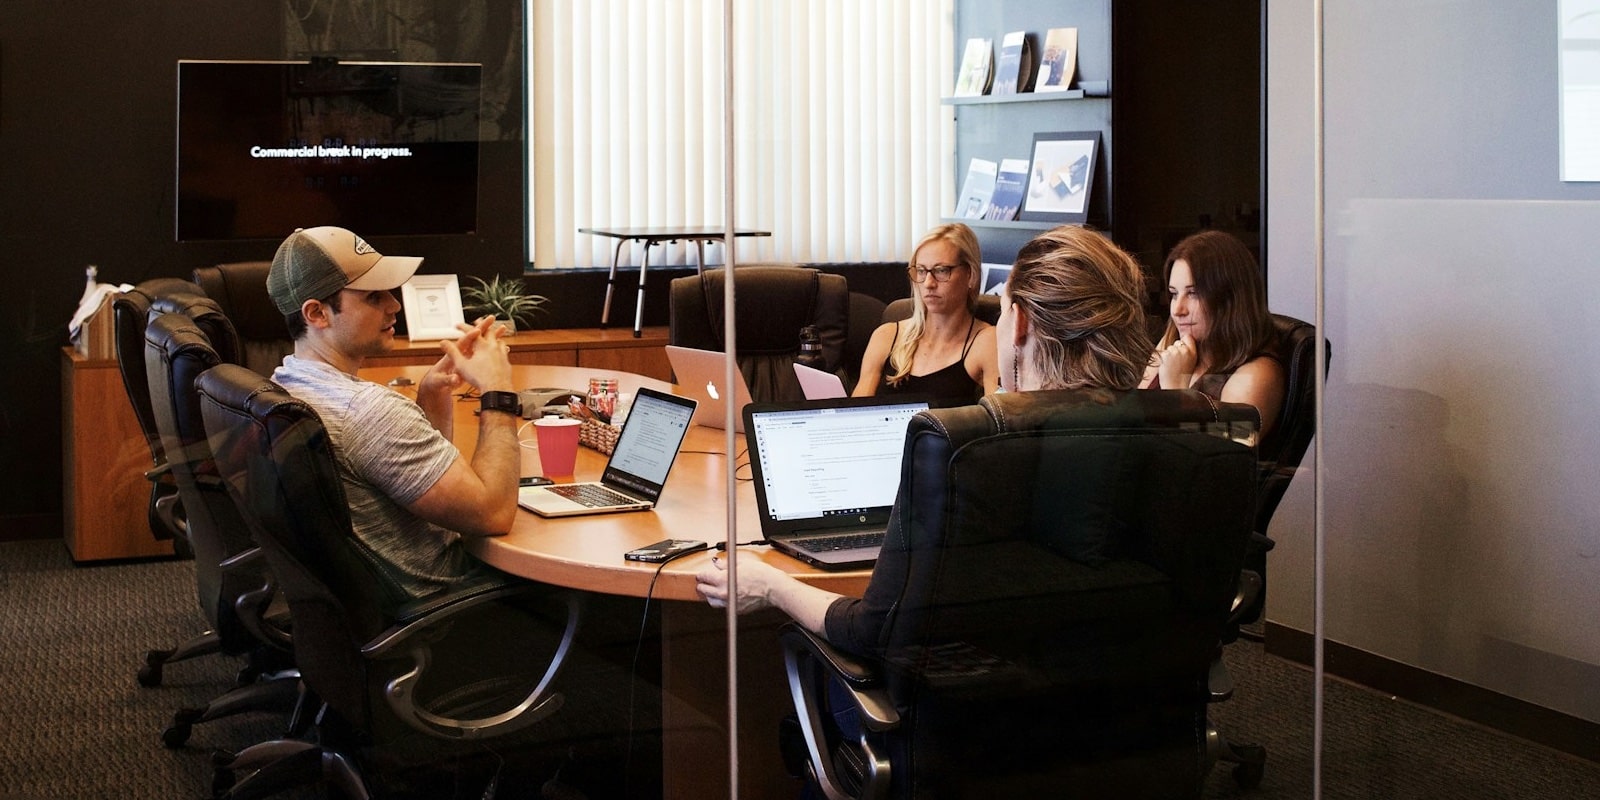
(826, 473)
(637, 470)
(818, 384)
(700, 374)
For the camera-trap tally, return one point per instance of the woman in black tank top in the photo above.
(943, 352)
(1219, 339)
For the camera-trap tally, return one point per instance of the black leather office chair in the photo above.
(240, 288)
(235, 588)
(774, 303)
(130, 313)
(168, 518)
(1278, 459)
(1281, 450)
(988, 309)
(1059, 568)
(866, 312)
(384, 669)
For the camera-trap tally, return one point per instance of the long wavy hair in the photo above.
(1227, 281)
(1083, 296)
(968, 255)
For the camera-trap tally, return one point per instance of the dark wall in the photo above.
(87, 108)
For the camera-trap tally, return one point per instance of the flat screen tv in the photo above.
(384, 149)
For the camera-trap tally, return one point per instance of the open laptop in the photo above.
(818, 384)
(826, 473)
(632, 481)
(700, 374)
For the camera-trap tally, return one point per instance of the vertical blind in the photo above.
(842, 148)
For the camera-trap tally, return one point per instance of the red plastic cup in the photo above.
(558, 444)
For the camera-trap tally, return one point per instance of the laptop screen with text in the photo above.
(838, 460)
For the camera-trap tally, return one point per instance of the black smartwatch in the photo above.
(501, 401)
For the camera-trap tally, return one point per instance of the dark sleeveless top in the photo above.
(951, 386)
(1211, 383)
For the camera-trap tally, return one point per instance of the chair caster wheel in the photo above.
(222, 782)
(1252, 765)
(246, 676)
(175, 736)
(183, 721)
(150, 673)
(1248, 776)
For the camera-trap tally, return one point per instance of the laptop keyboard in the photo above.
(829, 544)
(591, 496)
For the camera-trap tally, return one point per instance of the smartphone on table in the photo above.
(664, 550)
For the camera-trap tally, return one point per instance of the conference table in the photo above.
(586, 553)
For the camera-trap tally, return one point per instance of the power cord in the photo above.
(638, 647)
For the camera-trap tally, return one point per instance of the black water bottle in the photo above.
(810, 348)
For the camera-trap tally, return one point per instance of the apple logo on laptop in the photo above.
(711, 389)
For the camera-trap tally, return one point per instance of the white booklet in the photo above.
(977, 68)
(977, 189)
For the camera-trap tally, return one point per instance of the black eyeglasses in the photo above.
(941, 273)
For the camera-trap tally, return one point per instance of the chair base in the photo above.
(283, 764)
(1249, 760)
(277, 693)
(155, 660)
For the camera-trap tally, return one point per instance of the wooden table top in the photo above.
(586, 552)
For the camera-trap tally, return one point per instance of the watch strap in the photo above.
(501, 401)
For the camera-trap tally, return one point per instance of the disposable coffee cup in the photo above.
(557, 439)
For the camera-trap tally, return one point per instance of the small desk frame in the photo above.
(698, 235)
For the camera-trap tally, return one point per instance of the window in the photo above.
(841, 147)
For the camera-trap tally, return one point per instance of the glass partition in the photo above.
(1458, 523)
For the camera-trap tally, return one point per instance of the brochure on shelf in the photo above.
(977, 68)
(1009, 186)
(1015, 69)
(976, 189)
(1059, 62)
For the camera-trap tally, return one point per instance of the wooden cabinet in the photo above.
(599, 348)
(104, 455)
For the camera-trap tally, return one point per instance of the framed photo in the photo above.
(993, 278)
(432, 306)
(1060, 176)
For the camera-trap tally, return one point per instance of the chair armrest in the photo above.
(862, 680)
(1244, 599)
(429, 611)
(412, 635)
(812, 665)
(853, 671)
(168, 510)
(253, 608)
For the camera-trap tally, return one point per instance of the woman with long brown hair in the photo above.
(1219, 337)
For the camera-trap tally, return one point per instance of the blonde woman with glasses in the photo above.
(943, 352)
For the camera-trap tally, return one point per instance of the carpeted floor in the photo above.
(77, 725)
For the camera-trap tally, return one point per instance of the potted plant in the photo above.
(505, 298)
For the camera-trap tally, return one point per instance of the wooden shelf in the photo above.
(597, 348)
(1025, 97)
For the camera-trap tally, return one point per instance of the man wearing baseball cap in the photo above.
(412, 494)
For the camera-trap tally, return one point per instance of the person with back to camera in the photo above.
(412, 494)
(943, 352)
(1219, 338)
(1071, 318)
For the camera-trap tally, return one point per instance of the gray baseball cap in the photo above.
(314, 263)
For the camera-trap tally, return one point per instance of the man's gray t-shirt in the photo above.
(388, 455)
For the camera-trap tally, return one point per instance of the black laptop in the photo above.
(826, 473)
